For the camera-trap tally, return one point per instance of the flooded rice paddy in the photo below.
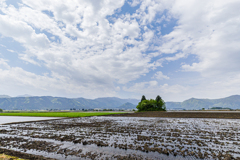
(12, 119)
(126, 138)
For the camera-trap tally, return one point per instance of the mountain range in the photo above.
(47, 102)
(61, 103)
(232, 102)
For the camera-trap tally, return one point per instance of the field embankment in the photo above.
(185, 114)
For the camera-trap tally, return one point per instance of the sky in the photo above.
(177, 49)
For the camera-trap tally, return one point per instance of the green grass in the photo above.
(4, 156)
(60, 114)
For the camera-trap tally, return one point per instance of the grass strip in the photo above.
(16, 155)
(61, 114)
(7, 157)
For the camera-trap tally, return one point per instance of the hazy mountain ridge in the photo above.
(127, 106)
(232, 102)
(48, 102)
(4, 96)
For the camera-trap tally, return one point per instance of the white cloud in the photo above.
(134, 3)
(2, 45)
(176, 57)
(94, 61)
(127, 28)
(3, 64)
(88, 53)
(19, 80)
(210, 33)
(152, 88)
(22, 32)
(160, 76)
(10, 50)
(150, 9)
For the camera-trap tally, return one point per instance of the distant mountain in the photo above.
(4, 96)
(232, 102)
(173, 105)
(48, 102)
(127, 105)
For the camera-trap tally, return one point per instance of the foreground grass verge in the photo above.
(8, 154)
(61, 114)
(7, 157)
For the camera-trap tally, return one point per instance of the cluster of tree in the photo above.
(151, 105)
(1, 110)
(107, 109)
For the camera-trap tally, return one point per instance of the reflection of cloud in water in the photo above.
(152, 138)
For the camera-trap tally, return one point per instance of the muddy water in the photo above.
(126, 138)
(12, 119)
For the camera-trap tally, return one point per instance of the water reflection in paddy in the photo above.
(12, 119)
(124, 137)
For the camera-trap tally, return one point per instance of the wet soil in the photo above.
(184, 114)
(125, 138)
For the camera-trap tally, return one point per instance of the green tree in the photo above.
(143, 98)
(1, 110)
(158, 98)
(151, 105)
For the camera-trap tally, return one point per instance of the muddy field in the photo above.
(126, 138)
(186, 114)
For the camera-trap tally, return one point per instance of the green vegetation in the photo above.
(60, 114)
(107, 109)
(1, 110)
(143, 98)
(151, 105)
(221, 108)
(6, 157)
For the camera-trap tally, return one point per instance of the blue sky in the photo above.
(88, 48)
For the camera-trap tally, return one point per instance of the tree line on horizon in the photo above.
(151, 105)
